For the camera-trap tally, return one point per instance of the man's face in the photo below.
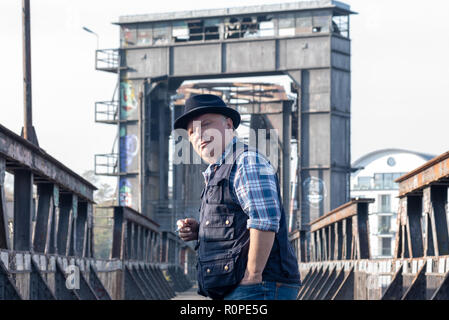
(209, 133)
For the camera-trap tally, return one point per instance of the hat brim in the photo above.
(183, 121)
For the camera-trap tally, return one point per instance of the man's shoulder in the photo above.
(252, 158)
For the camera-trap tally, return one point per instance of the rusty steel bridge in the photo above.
(47, 234)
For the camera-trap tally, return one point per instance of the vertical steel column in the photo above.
(151, 183)
(118, 235)
(414, 234)
(23, 206)
(44, 218)
(64, 224)
(436, 200)
(363, 230)
(133, 239)
(128, 240)
(51, 246)
(146, 245)
(4, 231)
(332, 241)
(347, 243)
(73, 234)
(138, 238)
(286, 150)
(339, 240)
(90, 231)
(81, 230)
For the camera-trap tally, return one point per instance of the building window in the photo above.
(378, 181)
(385, 203)
(385, 247)
(212, 29)
(144, 34)
(363, 183)
(249, 27)
(385, 181)
(384, 224)
(321, 21)
(340, 26)
(161, 33)
(286, 25)
(388, 181)
(180, 31)
(128, 35)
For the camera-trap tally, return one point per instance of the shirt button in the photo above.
(227, 222)
(207, 223)
(208, 270)
(226, 268)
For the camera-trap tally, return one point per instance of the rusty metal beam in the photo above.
(45, 217)
(394, 290)
(346, 290)
(334, 285)
(433, 171)
(4, 238)
(23, 204)
(343, 212)
(442, 292)
(24, 155)
(417, 291)
(96, 285)
(326, 285)
(435, 199)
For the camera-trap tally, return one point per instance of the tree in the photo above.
(104, 197)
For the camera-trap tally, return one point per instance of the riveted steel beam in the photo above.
(22, 154)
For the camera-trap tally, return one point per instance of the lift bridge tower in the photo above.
(308, 41)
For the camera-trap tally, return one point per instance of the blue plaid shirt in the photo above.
(253, 186)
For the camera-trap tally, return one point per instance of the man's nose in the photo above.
(197, 130)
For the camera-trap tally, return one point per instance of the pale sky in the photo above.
(400, 72)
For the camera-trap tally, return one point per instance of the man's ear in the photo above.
(229, 123)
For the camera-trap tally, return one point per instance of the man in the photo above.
(243, 247)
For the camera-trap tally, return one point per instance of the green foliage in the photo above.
(103, 217)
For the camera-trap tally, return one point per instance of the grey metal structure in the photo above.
(307, 40)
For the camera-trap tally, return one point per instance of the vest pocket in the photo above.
(218, 227)
(219, 273)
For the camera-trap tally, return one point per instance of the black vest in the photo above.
(223, 239)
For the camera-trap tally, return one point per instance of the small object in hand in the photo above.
(180, 224)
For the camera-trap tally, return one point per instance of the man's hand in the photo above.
(260, 244)
(188, 229)
(253, 278)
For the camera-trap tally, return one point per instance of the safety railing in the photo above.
(137, 241)
(50, 254)
(106, 164)
(420, 268)
(342, 234)
(107, 112)
(107, 60)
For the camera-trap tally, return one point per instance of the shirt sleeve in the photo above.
(256, 190)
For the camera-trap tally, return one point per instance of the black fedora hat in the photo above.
(205, 103)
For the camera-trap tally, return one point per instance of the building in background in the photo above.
(374, 178)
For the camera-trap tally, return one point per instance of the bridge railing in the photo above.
(342, 234)
(46, 239)
(419, 270)
(422, 217)
(137, 241)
